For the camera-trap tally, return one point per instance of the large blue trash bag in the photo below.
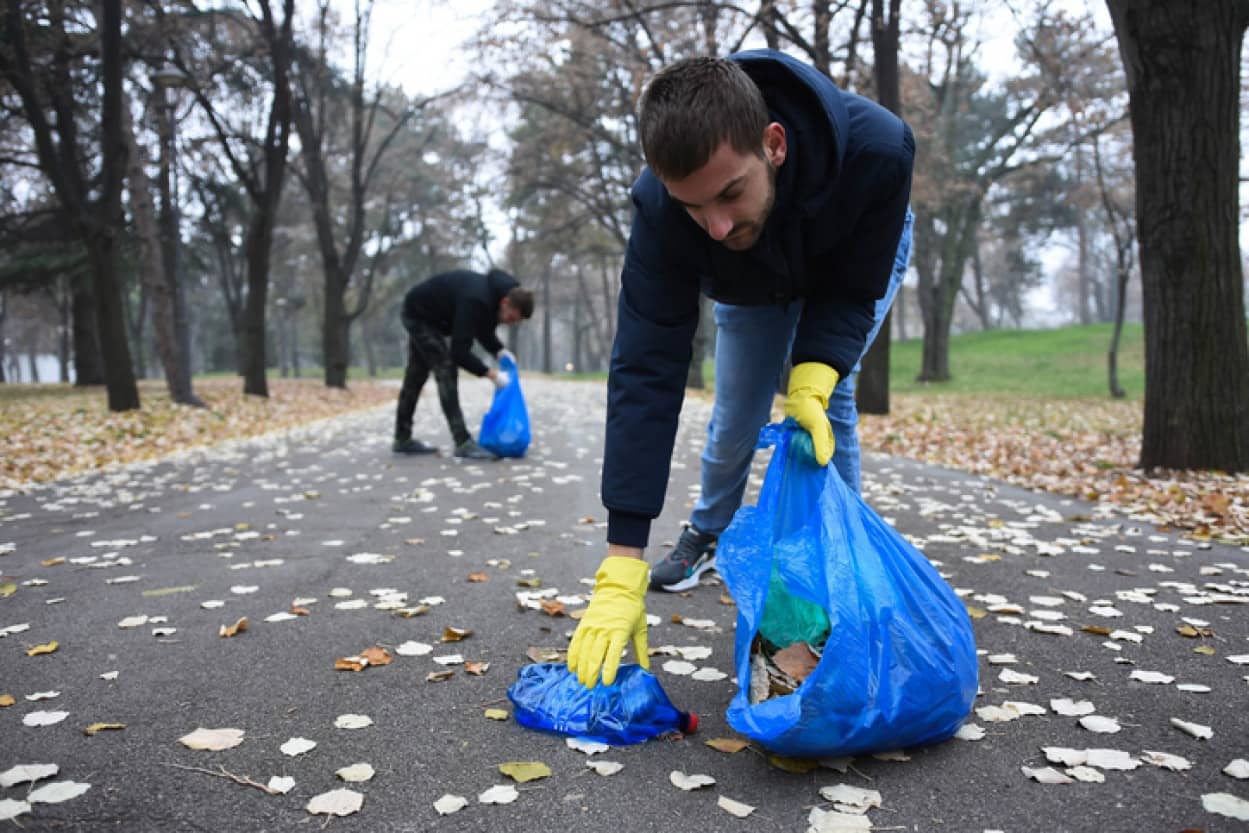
(549, 697)
(505, 427)
(899, 667)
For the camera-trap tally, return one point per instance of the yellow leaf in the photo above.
(545, 654)
(53, 562)
(497, 714)
(529, 582)
(1204, 650)
(522, 771)
(1096, 630)
(46, 648)
(726, 599)
(7, 589)
(409, 612)
(169, 591)
(6, 700)
(96, 728)
(238, 627)
(451, 634)
(799, 766)
(976, 612)
(728, 745)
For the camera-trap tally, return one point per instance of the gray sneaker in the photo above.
(411, 446)
(694, 554)
(470, 450)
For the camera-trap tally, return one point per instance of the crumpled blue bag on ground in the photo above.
(899, 667)
(505, 427)
(549, 697)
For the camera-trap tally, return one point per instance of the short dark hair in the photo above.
(690, 107)
(521, 300)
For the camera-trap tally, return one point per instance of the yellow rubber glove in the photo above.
(810, 386)
(616, 615)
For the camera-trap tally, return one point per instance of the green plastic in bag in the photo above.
(788, 619)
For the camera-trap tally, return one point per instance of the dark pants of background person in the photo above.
(428, 350)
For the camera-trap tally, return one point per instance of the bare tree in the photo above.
(1183, 70)
(46, 84)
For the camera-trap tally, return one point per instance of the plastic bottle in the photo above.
(549, 697)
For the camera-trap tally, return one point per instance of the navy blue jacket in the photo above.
(841, 200)
(463, 305)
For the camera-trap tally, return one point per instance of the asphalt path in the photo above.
(325, 518)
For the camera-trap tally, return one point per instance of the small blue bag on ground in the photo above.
(505, 427)
(899, 666)
(549, 697)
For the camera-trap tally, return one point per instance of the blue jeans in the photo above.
(752, 344)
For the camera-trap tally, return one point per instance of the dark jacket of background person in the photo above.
(841, 201)
(463, 305)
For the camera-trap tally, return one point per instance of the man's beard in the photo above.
(745, 235)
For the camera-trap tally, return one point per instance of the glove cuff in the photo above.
(628, 573)
(813, 379)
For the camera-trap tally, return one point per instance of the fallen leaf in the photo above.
(96, 728)
(349, 664)
(497, 714)
(451, 634)
(1226, 804)
(477, 669)
(849, 799)
(727, 745)
(24, 773)
(605, 767)
(6, 700)
(439, 676)
(797, 660)
(970, 732)
(830, 821)
(546, 654)
(213, 740)
(689, 782)
(356, 773)
(57, 791)
(10, 808)
(1046, 775)
(339, 802)
(1175, 763)
(449, 804)
(1238, 768)
(499, 794)
(1100, 724)
(300, 611)
(1096, 630)
(7, 589)
(43, 718)
(589, 747)
(238, 627)
(1195, 729)
(798, 766)
(281, 784)
(479, 578)
(297, 746)
(1204, 650)
(529, 582)
(377, 655)
(1155, 677)
(735, 808)
(52, 562)
(46, 648)
(523, 771)
(552, 607)
(1193, 632)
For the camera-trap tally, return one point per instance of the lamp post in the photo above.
(165, 79)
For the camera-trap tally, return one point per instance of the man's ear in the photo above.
(775, 144)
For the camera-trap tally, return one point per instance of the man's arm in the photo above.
(656, 319)
(464, 328)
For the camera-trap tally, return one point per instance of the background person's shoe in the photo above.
(411, 446)
(694, 554)
(470, 450)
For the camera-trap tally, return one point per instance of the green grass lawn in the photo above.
(1066, 363)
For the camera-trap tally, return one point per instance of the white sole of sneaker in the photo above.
(692, 579)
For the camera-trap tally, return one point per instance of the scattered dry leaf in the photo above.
(46, 648)
(238, 627)
(96, 728)
(214, 740)
(524, 771)
(451, 634)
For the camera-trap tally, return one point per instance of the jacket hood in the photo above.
(814, 115)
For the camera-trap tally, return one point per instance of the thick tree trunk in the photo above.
(88, 364)
(335, 331)
(252, 324)
(1183, 63)
(872, 393)
(152, 272)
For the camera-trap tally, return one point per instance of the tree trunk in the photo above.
(872, 392)
(335, 329)
(1122, 272)
(3, 314)
(1183, 63)
(546, 320)
(252, 324)
(170, 236)
(88, 365)
(939, 290)
(1084, 283)
(153, 271)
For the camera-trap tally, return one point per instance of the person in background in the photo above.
(443, 316)
(785, 200)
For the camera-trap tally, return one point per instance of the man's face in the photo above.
(732, 195)
(508, 314)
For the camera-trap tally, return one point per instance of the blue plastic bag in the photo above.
(899, 666)
(549, 697)
(505, 427)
